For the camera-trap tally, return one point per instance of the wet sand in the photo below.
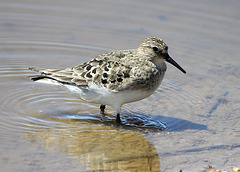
(191, 122)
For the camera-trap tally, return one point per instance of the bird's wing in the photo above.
(113, 71)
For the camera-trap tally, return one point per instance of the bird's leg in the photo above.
(102, 107)
(118, 120)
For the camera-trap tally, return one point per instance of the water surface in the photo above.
(191, 121)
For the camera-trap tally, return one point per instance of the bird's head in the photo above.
(156, 50)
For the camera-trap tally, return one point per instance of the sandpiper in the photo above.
(115, 78)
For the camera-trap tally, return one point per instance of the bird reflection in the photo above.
(100, 147)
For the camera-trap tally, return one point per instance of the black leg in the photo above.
(102, 107)
(118, 120)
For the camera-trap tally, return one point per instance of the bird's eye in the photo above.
(155, 49)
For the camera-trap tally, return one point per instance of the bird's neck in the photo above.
(162, 67)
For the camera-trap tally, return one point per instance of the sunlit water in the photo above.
(190, 122)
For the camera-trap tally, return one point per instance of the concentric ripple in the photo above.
(27, 106)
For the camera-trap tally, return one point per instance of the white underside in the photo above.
(101, 95)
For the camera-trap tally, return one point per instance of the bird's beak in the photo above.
(170, 60)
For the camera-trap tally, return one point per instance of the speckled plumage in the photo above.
(115, 75)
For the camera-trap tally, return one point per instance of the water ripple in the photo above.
(28, 106)
(51, 45)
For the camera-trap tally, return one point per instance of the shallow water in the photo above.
(192, 120)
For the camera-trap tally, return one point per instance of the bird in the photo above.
(114, 78)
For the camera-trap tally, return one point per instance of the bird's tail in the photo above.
(45, 75)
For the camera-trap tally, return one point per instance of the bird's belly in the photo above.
(102, 95)
(132, 95)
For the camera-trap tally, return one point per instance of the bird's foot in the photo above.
(102, 108)
(118, 120)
